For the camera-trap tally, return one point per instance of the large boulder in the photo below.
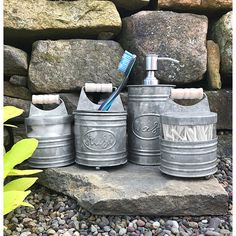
(15, 61)
(222, 33)
(207, 6)
(135, 189)
(40, 19)
(178, 35)
(66, 65)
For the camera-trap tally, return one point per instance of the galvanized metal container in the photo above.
(189, 141)
(53, 130)
(144, 107)
(100, 137)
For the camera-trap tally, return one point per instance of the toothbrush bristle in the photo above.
(125, 62)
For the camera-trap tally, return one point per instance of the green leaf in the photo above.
(27, 204)
(20, 184)
(21, 151)
(13, 199)
(11, 112)
(15, 172)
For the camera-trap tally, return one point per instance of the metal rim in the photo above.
(99, 113)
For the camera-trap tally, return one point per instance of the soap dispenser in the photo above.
(144, 106)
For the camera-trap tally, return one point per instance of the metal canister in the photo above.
(144, 107)
(189, 141)
(53, 130)
(100, 136)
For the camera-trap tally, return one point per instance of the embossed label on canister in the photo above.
(147, 126)
(99, 139)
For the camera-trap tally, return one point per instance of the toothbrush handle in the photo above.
(107, 103)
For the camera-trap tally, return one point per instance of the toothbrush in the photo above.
(125, 66)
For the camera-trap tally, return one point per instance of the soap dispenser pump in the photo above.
(151, 67)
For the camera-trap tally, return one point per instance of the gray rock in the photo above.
(51, 232)
(225, 232)
(66, 65)
(174, 230)
(15, 61)
(214, 223)
(222, 33)
(148, 233)
(206, 6)
(93, 229)
(107, 228)
(161, 32)
(66, 234)
(16, 91)
(106, 192)
(25, 234)
(20, 103)
(19, 80)
(212, 233)
(156, 225)
(39, 19)
(193, 224)
(122, 231)
(221, 102)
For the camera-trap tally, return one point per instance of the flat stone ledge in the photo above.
(136, 190)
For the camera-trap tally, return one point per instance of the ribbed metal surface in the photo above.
(189, 159)
(144, 107)
(100, 138)
(55, 138)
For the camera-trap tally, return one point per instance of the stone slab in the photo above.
(136, 190)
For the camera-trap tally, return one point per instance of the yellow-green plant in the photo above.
(15, 192)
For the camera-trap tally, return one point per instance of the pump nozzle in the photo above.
(151, 66)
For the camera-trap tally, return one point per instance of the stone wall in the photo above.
(57, 46)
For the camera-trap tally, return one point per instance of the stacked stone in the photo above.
(72, 42)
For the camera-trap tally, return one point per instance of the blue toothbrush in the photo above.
(125, 66)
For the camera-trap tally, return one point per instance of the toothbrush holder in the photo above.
(100, 136)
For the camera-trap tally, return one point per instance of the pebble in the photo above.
(107, 228)
(122, 231)
(174, 230)
(156, 225)
(76, 234)
(192, 224)
(140, 223)
(51, 232)
(25, 233)
(148, 233)
(214, 223)
(204, 221)
(212, 233)
(93, 229)
(225, 232)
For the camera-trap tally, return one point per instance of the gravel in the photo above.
(57, 214)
